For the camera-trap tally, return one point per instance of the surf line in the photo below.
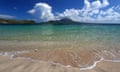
(12, 54)
(95, 63)
(85, 68)
(92, 66)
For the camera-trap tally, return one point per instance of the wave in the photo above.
(113, 57)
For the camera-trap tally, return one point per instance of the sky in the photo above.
(77, 10)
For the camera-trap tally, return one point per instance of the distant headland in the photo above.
(64, 21)
(13, 21)
(55, 22)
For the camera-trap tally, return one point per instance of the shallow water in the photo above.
(61, 32)
(102, 38)
(71, 33)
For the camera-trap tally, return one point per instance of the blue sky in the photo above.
(19, 8)
(78, 10)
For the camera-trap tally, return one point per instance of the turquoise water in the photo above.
(105, 38)
(60, 32)
(100, 34)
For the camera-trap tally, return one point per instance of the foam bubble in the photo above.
(92, 66)
(12, 54)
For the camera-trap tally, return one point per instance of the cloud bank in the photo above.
(91, 12)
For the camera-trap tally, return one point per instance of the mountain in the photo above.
(53, 22)
(12, 21)
(65, 21)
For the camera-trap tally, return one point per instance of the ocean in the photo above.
(100, 33)
(104, 38)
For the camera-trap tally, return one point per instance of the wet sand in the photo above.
(66, 53)
(26, 65)
(105, 66)
(74, 57)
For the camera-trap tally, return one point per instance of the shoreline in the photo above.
(63, 50)
(69, 68)
(11, 57)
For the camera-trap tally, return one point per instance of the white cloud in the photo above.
(69, 13)
(6, 16)
(91, 12)
(110, 15)
(43, 11)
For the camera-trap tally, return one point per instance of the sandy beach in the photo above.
(105, 66)
(25, 65)
(41, 56)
